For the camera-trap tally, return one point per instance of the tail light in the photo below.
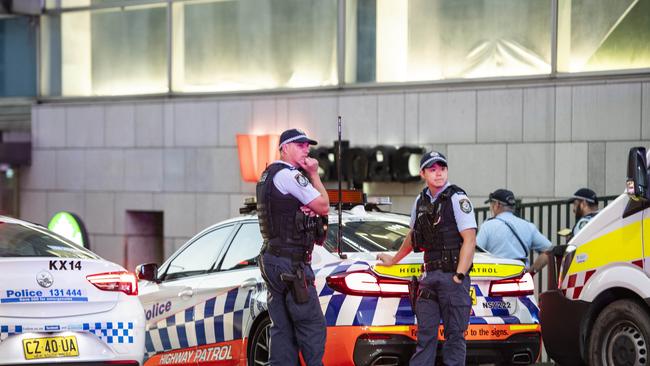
(115, 281)
(366, 283)
(521, 286)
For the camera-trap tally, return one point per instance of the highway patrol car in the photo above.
(206, 304)
(60, 303)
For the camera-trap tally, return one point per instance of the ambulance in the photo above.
(598, 311)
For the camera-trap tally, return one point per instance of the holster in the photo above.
(297, 284)
(413, 292)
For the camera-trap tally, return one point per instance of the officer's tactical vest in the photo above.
(282, 223)
(435, 228)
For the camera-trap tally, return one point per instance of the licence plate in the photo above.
(472, 294)
(50, 347)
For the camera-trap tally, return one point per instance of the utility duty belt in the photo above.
(295, 254)
(446, 260)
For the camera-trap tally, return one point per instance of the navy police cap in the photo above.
(295, 135)
(503, 196)
(431, 158)
(584, 194)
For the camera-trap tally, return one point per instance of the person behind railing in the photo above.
(508, 236)
(585, 207)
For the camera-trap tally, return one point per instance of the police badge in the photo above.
(465, 205)
(302, 180)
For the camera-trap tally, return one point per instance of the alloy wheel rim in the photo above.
(261, 348)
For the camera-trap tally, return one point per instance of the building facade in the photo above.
(134, 124)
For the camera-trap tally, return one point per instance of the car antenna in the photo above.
(339, 204)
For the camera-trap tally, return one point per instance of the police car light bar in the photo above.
(115, 281)
(513, 287)
(366, 283)
(348, 196)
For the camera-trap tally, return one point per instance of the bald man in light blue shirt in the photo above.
(508, 236)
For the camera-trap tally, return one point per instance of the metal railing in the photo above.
(549, 217)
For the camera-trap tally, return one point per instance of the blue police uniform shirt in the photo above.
(293, 182)
(463, 209)
(582, 223)
(497, 238)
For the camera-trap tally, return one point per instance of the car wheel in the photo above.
(260, 344)
(620, 336)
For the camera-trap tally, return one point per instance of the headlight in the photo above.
(569, 253)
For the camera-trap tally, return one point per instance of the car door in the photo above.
(171, 304)
(227, 315)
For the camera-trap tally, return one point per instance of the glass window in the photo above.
(244, 249)
(200, 256)
(115, 51)
(24, 241)
(419, 40)
(17, 57)
(367, 236)
(596, 35)
(253, 44)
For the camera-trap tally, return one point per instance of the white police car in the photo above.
(206, 304)
(60, 303)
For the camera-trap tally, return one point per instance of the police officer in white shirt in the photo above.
(444, 227)
(289, 205)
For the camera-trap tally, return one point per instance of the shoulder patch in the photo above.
(581, 224)
(465, 205)
(302, 180)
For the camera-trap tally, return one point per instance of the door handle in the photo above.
(188, 292)
(251, 282)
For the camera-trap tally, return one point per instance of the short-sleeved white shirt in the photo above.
(292, 181)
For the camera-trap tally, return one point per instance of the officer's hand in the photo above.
(308, 211)
(456, 280)
(310, 165)
(385, 259)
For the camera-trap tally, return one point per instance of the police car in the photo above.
(206, 304)
(60, 303)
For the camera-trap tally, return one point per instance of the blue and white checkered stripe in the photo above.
(218, 319)
(9, 330)
(111, 332)
(341, 309)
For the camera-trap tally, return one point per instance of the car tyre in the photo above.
(620, 335)
(260, 343)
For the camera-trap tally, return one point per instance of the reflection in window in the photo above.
(431, 40)
(598, 35)
(116, 51)
(367, 236)
(253, 44)
(23, 241)
(245, 247)
(17, 57)
(200, 256)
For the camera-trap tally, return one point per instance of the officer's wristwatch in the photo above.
(460, 276)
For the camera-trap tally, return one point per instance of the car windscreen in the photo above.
(367, 236)
(24, 241)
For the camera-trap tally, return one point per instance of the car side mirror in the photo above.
(637, 174)
(147, 272)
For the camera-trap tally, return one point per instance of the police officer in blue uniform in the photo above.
(585, 207)
(508, 236)
(290, 209)
(443, 226)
